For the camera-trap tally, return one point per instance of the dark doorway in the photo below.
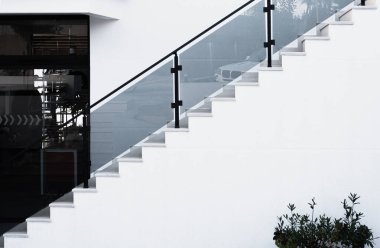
(44, 82)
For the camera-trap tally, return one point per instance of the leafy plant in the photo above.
(298, 231)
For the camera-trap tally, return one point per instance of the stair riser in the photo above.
(242, 92)
(16, 242)
(105, 184)
(222, 107)
(315, 124)
(39, 230)
(128, 169)
(174, 139)
(83, 197)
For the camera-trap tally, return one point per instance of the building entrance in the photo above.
(44, 82)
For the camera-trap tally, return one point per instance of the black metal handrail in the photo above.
(173, 53)
(85, 112)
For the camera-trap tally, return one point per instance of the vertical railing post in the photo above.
(362, 2)
(270, 42)
(86, 149)
(177, 103)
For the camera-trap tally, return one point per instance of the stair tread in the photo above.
(134, 154)
(314, 37)
(66, 200)
(41, 216)
(110, 171)
(183, 125)
(204, 110)
(19, 231)
(245, 83)
(91, 187)
(295, 53)
(365, 7)
(156, 140)
(341, 23)
(273, 68)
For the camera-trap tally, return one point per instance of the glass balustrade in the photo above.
(47, 143)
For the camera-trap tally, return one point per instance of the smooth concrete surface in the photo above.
(310, 130)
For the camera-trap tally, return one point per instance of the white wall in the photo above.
(311, 130)
(129, 35)
(146, 31)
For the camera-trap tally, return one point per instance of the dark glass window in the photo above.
(226, 74)
(29, 35)
(44, 82)
(235, 74)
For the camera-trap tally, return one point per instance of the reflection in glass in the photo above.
(44, 82)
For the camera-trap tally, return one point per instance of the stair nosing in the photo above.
(342, 23)
(198, 114)
(285, 53)
(85, 190)
(173, 129)
(16, 235)
(107, 174)
(152, 144)
(276, 68)
(223, 99)
(61, 205)
(131, 159)
(39, 219)
(365, 7)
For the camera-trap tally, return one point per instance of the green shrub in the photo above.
(298, 231)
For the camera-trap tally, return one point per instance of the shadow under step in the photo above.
(66, 201)
(155, 140)
(91, 187)
(134, 155)
(276, 66)
(183, 126)
(41, 216)
(19, 231)
(203, 110)
(247, 79)
(228, 94)
(110, 171)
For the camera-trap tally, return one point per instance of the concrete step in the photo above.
(91, 187)
(66, 201)
(41, 216)
(134, 155)
(276, 66)
(205, 110)
(110, 171)
(183, 126)
(155, 140)
(19, 231)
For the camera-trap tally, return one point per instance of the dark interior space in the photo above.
(44, 82)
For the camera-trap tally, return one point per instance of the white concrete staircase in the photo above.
(309, 126)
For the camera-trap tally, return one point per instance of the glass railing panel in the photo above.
(131, 116)
(223, 55)
(292, 19)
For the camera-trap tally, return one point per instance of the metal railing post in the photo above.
(177, 103)
(86, 150)
(270, 42)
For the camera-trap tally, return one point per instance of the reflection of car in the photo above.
(227, 73)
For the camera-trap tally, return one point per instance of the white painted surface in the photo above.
(129, 35)
(147, 31)
(310, 130)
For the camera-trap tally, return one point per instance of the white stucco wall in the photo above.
(129, 35)
(310, 130)
(145, 32)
